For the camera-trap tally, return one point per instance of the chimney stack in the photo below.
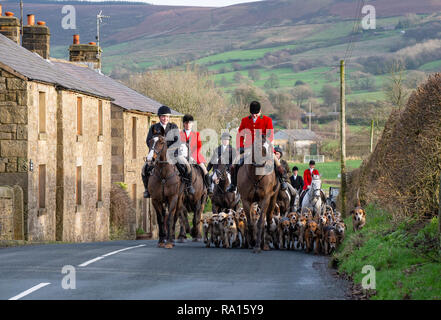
(10, 26)
(89, 54)
(36, 37)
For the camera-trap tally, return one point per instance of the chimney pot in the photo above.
(92, 43)
(0, 9)
(10, 26)
(31, 19)
(36, 38)
(76, 39)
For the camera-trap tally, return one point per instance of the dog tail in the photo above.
(358, 197)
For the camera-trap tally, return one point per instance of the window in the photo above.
(100, 184)
(78, 187)
(134, 195)
(42, 112)
(134, 144)
(42, 186)
(79, 116)
(100, 118)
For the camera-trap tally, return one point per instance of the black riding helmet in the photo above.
(312, 162)
(295, 169)
(188, 118)
(278, 149)
(164, 111)
(255, 107)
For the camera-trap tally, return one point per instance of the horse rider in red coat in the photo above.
(308, 174)
(194, 144)
(255, 123)
(307, 179)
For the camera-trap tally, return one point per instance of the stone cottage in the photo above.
(131, 116)
(66, 133)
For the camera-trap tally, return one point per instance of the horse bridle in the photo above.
(158, 152)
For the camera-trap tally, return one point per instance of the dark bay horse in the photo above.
(221, 199)
(260, 187)
(166, 191)
(194, 203)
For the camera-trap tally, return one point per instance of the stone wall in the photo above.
(11, 213)
(42, 150)
(90, 220)
(13, 130)
(117, 132)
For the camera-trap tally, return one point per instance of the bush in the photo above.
(403, 172)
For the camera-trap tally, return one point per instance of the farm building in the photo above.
(296, 142)
(66, 133)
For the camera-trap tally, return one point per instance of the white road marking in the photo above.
(108, 254)
(117, 251)
(90, 261)
(29, 291)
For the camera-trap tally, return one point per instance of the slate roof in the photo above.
(34, 67)
(123, 96)
(295, 134)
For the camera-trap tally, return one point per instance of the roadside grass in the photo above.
(403, 251)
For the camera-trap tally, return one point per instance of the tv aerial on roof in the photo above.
(99, 20)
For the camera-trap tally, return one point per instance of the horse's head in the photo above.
(158, 147)
(316, 186)
(220, 174)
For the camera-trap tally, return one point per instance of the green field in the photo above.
(327, 170)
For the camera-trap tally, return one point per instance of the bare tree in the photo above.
(302, 93)
(186, 91)
(395, 89)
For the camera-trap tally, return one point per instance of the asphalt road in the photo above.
(140, 270)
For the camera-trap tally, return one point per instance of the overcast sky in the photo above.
(199, 3)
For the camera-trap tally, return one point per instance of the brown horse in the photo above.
(166, 191)
(194, 203)
(221, 200)
(262, 189)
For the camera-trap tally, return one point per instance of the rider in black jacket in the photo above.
(163, 128)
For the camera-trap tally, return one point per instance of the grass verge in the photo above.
(403, 251)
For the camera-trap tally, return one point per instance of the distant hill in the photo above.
(293, 39)
(130, 21)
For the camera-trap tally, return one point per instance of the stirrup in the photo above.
(146, 194)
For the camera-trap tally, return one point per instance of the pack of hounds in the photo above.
(321, 233)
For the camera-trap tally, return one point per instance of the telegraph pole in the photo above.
(310, 114)
(343, 137)
(372, 136)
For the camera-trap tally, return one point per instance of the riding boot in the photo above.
(233, 186)
(188, 181)
(145, 179)
(280, 176)
(186, 176)
(283, 185)
(208, 184)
